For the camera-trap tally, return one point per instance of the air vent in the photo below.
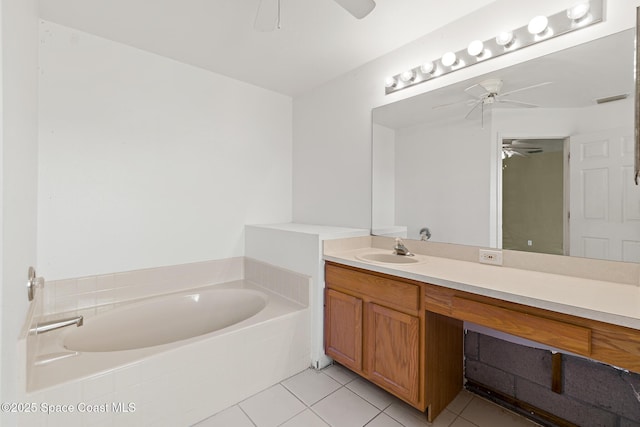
(612, 98)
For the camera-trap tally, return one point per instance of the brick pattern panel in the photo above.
(603, 386)
(488, 375)
(564, 406)
(593, 393)
(521, 361)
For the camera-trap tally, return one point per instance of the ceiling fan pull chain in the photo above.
(278, 24)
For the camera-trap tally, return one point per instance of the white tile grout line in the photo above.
(294, 395)
(310, 407)
(380, 411)
(242, 410)
(456, 415)
(334, 391)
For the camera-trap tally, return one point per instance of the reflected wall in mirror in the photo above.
(538, 156)
(534, 182)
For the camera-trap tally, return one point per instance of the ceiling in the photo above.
(577, 77)
(317, 42)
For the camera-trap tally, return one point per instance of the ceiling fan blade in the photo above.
(478, 103)
(523, 146)
(477, 91)
(268, 15)
(518, 103)
(515, 153)
(525, 88)
(358, 8)
(469, 102)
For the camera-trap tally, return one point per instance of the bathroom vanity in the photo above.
(401, 325)
(376, 325)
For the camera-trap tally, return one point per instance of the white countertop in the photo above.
(325, 232)
(609, 302)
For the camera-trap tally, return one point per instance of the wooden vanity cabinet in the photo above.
(406, 336)
(343, 328)
(376, 325)
(393, 351)
(605, 342)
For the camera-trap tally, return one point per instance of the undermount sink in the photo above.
(388, 258)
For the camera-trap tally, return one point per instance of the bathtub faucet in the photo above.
(43, 327)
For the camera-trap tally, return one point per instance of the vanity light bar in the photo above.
(540, 28)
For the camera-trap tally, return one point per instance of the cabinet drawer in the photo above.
(395, 292)
(547, 331)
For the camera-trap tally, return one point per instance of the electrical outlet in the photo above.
(488, 256)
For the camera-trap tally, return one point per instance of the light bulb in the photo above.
(390, 82)
(476, 48)
(427, 68)
(538, 25)
(408, 76)
(578, 11)
(505, 39)
(449, 59)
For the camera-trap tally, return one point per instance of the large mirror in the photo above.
(538, 157)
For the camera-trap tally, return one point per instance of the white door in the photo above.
(605, 203)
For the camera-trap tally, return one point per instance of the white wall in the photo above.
(146, 162)
(298, 247)
(453, 202)
(607, 116)
(332, 123)
(561, 122)
(383, 176)
(18, 179)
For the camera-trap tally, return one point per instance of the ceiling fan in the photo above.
(516, 147)
(268, 16)
(488, 92)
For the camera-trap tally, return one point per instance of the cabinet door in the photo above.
(343, 329)
(392, 350)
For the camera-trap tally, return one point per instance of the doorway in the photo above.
(535, 195)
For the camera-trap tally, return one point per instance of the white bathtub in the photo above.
(179, 358)
(123, 333)
(164, 320)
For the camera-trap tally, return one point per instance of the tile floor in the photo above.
(336, 397)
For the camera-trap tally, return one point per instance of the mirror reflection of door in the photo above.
(605, 205)
(534, 183)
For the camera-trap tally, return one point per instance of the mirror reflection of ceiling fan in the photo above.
(517, 147)
(268, 16)
(488, 93)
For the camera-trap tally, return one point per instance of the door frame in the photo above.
(496, 205)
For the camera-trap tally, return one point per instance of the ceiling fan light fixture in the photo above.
(358, 8)
(269, 12)
(492, 85)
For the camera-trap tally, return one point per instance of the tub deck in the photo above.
(51, 364)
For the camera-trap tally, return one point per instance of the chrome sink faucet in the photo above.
(400, 248)
(43, 327)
